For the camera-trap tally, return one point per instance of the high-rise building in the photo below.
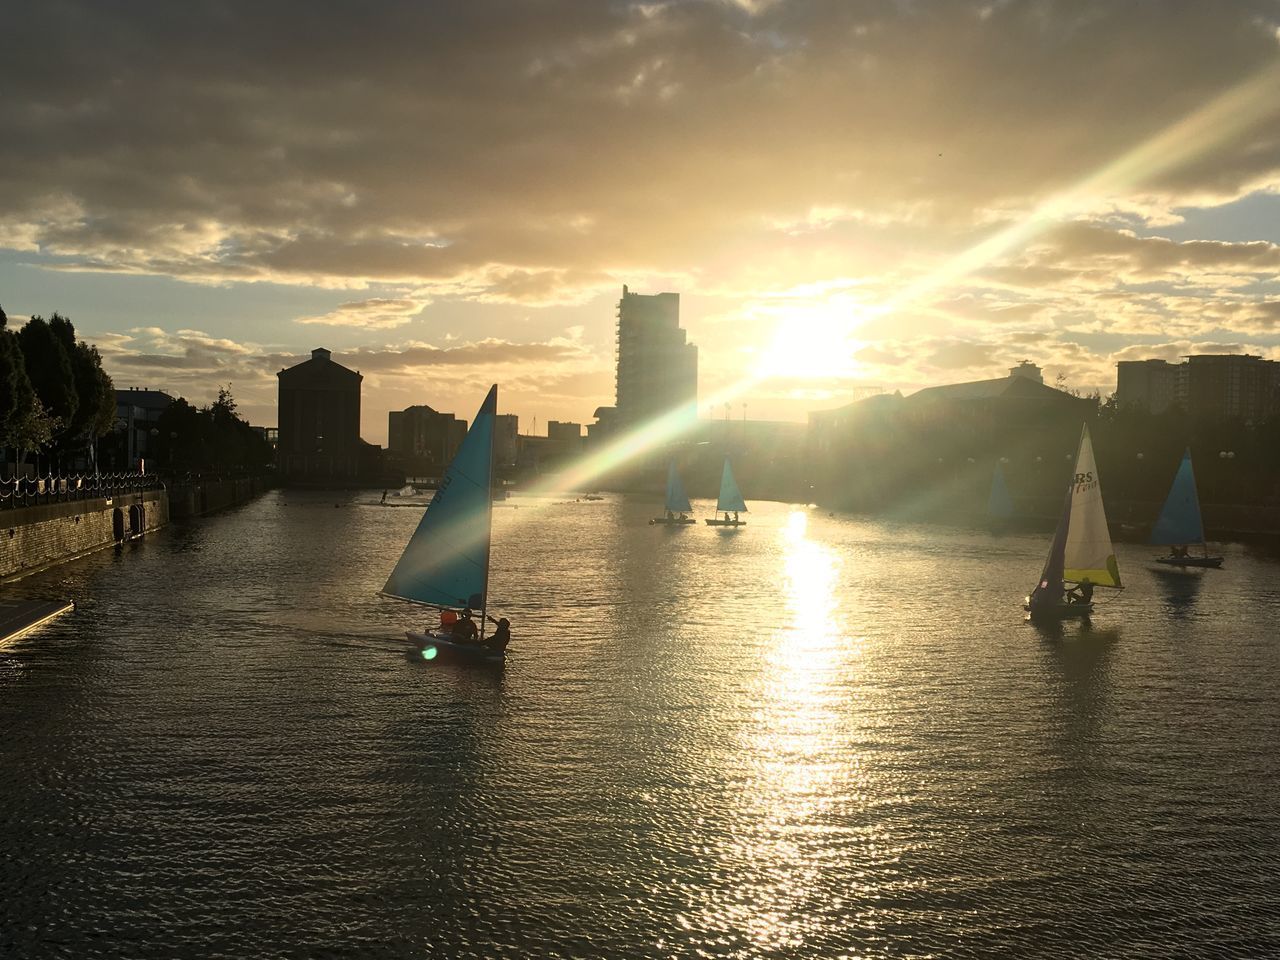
(1213, 386)
(426, 438)
(320, 420)
(1150, 384)
(657, 369)
(1225, 385)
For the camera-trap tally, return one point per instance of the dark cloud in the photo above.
(524, 151)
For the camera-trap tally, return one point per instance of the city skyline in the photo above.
(844, 196)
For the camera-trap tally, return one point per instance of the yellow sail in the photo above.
(1089, 554)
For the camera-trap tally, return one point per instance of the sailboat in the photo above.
(677, 504)
(1180, 524)
(999, 503)
(729, 501)
(445, 564)
(1081, 553)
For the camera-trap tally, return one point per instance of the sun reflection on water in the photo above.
(803, 774)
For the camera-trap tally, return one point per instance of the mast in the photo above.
(488, 519)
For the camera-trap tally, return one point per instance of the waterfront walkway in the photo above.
(20, 616)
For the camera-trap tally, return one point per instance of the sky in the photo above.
(848, 196)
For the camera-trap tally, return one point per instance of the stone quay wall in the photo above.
(32, 538)
(43, 534)
(195, 498)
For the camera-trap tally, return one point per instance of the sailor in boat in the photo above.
(726, 516)
(1180, 552)
(1082, 592)
(498, 640)
(464, 629)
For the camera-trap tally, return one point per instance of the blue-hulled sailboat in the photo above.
(677, 507)
(445, 565)
(1180, 525)
(729, 501)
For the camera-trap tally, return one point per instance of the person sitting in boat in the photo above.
(670, 515)
(501, 636)
(464, 630)
(1082, 592)
(683, 516)
(1179, 551)
(726, 516)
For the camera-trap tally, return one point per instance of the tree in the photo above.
(209, 438)
(95, 394)
(48, 366)
(22, 420)
(32, 429)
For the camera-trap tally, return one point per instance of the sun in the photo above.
(812, 341)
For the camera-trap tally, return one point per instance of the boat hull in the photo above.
(448, 649)
(725, 523)
(1211, 562)
(1054, 612)
(676, 522)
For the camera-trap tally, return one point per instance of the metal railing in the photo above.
(21, 492)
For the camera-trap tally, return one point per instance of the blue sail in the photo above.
(999, 504)
(1180, 521)
(730, 496)
(677, 502)
(446, 562)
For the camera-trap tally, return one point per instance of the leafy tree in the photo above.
(32, 429)
(95, 393)
(191, 439)
(48, 366)
(22, 420)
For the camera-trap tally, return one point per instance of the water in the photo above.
(811, 737)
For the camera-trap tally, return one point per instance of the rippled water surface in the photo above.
(814, 736)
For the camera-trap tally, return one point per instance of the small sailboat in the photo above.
(677, 504)
(1180, 524)
(729, 501)
(999, 503)
(445, 565)
(1081, 554)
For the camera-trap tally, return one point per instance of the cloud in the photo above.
(376, 312)
(520, 152)
(756, 156)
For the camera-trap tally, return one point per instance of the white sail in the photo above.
(1089, 554)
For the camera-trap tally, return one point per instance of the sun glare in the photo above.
(813, 340)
